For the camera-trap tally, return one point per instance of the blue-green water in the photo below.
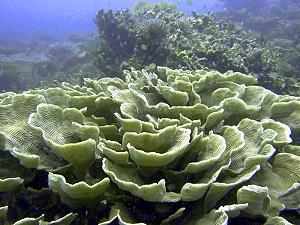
(30, 30)
(60, 17)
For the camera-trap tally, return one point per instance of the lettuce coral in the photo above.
(176, 147)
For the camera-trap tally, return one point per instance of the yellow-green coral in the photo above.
(195, 147)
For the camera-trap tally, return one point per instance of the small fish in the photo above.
(189, 2)
(144, 47)
(262, 39)
(81, 81)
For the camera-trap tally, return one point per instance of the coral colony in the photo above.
(184, 126)
(191, 147)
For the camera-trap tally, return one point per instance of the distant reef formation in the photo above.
(277, 23)
(166, 148)
(38, 62)
(146, 38)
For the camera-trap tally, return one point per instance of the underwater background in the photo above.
(183, 112)
(32, 32)
(63, 17)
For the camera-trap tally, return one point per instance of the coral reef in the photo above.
(172, 147)
(154, 36)
(143, 5)
(27, 64)
(277, 24)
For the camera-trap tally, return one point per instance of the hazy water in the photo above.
(28, 28)
(60, 17)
